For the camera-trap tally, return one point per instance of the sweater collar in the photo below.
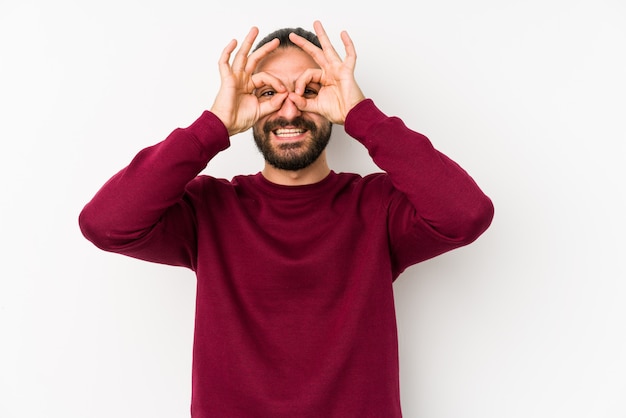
(280, 190)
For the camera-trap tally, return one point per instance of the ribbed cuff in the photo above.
(362, 118)
(210, 132)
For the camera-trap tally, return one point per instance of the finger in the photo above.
(313, 50)
(328, 48)
(259, 54)
(223, 62)
(300, 102)
(262, 79)
(272, 105)
(241, 57)
(311, 75)
(350, 58)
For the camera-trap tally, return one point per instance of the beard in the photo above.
(292, 156)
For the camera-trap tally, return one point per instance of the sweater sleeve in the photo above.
(438, 195)
(146, 198)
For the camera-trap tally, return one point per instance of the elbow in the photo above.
(476, 220)
(93, 227)
(108, 230)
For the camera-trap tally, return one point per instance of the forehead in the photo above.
(286, 63)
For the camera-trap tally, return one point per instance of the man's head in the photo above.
(290, 139)
(283, 36)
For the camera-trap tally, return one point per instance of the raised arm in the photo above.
(438, 194)
(144, 201)
(441, 193)
(236, 105)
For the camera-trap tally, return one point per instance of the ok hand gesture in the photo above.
(235, 104)
(339, 92)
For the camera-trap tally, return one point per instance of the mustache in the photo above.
(297, 122)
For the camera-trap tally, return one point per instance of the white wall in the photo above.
(528, 96)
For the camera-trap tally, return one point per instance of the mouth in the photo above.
(289, 133)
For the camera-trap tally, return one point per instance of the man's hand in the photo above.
(339, 92)
(236, 105)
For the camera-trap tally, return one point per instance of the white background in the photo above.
(528, 96)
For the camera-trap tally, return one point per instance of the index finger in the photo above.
(307, 46)
(311, 75)
(259, 54)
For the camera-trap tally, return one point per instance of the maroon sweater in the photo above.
(294, 308)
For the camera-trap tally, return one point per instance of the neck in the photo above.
(312, 174)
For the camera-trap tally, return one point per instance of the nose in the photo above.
(289, 110)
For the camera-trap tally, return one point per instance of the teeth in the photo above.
(289, 132)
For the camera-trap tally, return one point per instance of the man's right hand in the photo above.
(236, 104)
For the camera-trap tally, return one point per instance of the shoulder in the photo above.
(205, 183)
(372, 180)
(371, 185)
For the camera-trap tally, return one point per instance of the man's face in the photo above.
(290, 139)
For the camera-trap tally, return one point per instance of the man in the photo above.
(294, 265)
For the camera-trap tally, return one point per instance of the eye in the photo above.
(265, 94)
(309, 92)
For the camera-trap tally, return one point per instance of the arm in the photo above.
(143, 210)
(439, 196)
(442, 194)
(140, 211)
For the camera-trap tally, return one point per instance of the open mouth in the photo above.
(289, 133)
